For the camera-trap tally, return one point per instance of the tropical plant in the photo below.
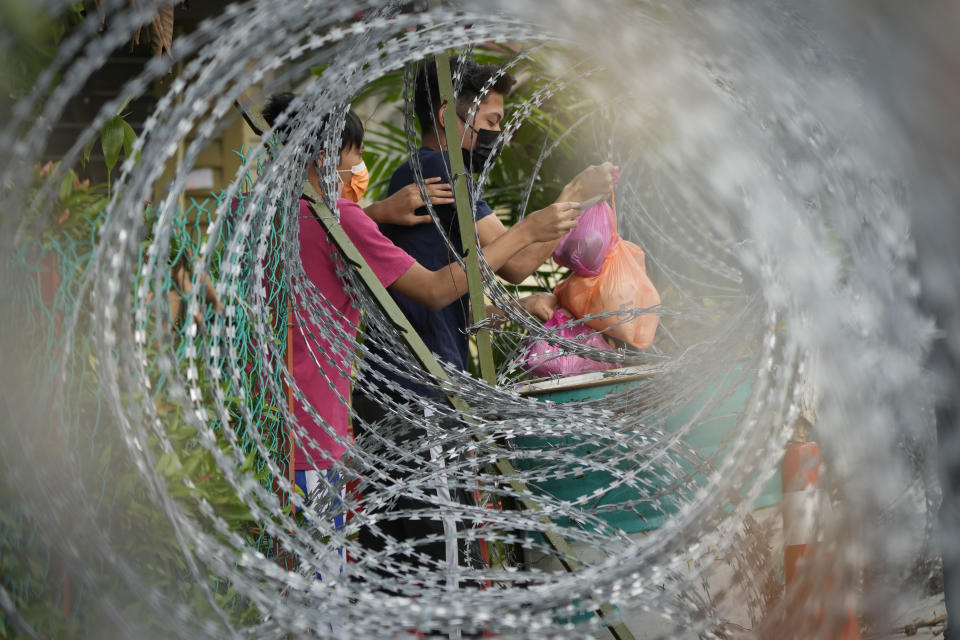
(136, 528)
(45, 595)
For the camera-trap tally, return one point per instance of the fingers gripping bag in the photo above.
(585, 246)
(622, 285)
(543, 359)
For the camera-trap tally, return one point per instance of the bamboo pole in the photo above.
(468, 233)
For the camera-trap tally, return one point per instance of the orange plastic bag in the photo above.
(622, 285)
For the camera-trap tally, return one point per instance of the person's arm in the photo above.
(596, 180)
(540, 305)
(437, 289)
(401, 207)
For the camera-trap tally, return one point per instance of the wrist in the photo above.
(570, 193)
(373, 211)
(527, 233)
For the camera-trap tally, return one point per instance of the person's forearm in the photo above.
(591, 182)
(437, 289)
(539, 305)
(525, 262)
(452, 280)
(495, 315)
(522, 265)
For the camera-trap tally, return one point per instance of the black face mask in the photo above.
(486, 148)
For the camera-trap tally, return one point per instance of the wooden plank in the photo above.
(586, 380)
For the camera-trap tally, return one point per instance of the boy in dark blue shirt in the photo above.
(481, 100)
(443, 331)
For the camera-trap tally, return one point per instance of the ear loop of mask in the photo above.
(355, 169)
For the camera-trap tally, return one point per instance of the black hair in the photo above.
(476, 79)
(279, 103)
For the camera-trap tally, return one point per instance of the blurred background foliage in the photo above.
(32, 35)
(47, 600)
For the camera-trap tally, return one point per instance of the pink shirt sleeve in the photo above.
(387, 260)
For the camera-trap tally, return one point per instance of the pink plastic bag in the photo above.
(585, 246)
(543, 359)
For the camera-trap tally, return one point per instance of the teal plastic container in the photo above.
(708, 438)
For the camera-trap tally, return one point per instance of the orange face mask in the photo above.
(359, 179)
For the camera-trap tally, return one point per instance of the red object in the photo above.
(48, 278)
(800, 467)
(800, 476)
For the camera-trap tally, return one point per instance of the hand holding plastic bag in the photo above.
(543, 359)
(585, 246)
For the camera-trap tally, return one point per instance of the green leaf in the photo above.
(124, 106)
(111, 140)
(87, 150)
(193, 461)
(168, 464)
(104, 460)
(129, 138)
(249, 461)
(66, 185)
(234, 511)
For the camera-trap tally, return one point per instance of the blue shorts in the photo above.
(308, 481)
